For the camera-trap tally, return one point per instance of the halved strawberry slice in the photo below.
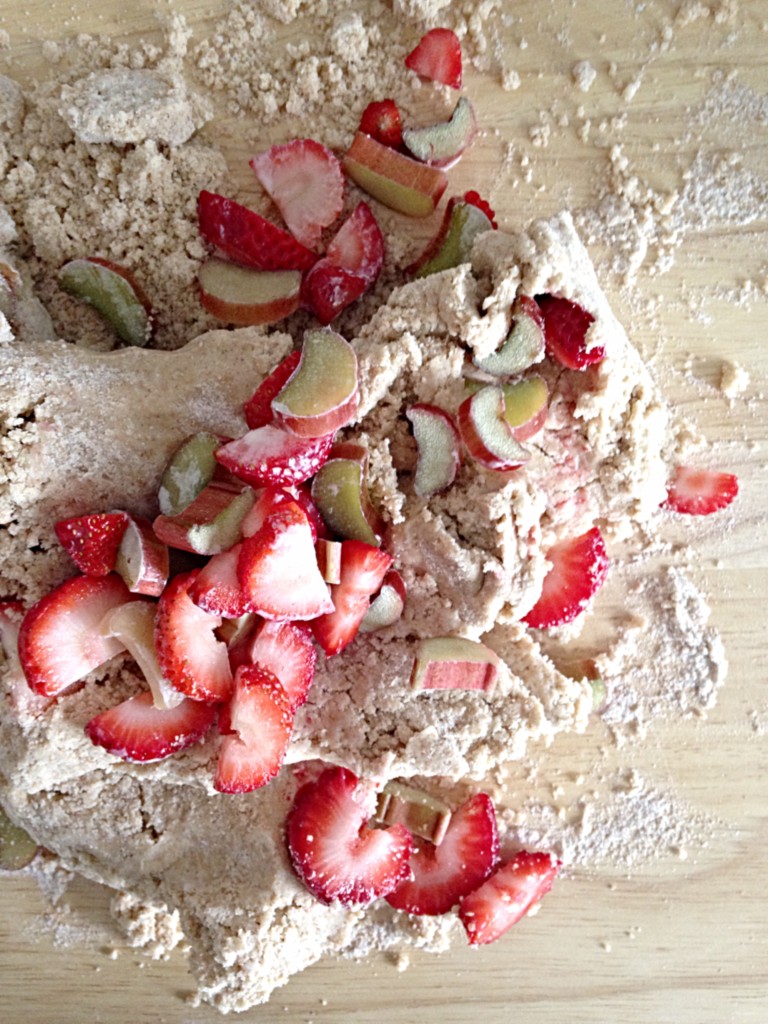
(286, 650)
(258, 408)
(216, 588)
(442, 875)
(358, 245)
(437, 57)
(363, 568)
(699, 492)
(566, 325)
(271, 498)
(333, 851)
(189, 653)
(507, 896)
(278, 571)
(579, 569)
(306, 183)
(382, 121)
(92, 541)
(246, 237)
(328, 289)
(136, 730)
(269, 455)
(258, 725)
(59, 639)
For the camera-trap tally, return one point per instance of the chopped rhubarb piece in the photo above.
(452, 245)
(340, 494)
(270, 456)
(387, 607)
(321, 394)
(248, 238)
(579, 568)
(437, 57)
(422, 814)
(382, 121)
(188, 471)
(143, 560)
(133, 624)
(442, 144)
(699, 492)
(329, 559)
(258, 728)
(92, 541)
(286, 650)
(334, 853)
(240, 295)
(566, 332)
(396, 180)
(439, 444)
(454, 663)
(306, 183)
(443, 874)
(137, 730)
(523, 346)
(190, 655)
(258, 408)
(211, 523)
(526, 406)
(486, 433)
(59, 639)
(278, 569)
(363, 569)
(17, 847)
(510, 893)
(113, 292)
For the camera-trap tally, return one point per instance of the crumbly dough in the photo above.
(84, 430)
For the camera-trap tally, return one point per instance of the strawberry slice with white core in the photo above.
(381, 120)
(510, 893)
(190, 655)
(327, 290)
(437, 57)
(247, 238)
(258, 408)
(363, 568)
(217, 589)
(306, 183)
(442, 875)
(278, 570)
(358, 245)
(92, 541)
(699, 492)
(286, 650)
(271, 456)
(579, 569)
(332, 849)
(59, 638)
(566, 332)
(133, 624)
(270, 498)
(137, 730)
(258, 725)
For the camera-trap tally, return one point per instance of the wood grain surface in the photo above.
(674, 942)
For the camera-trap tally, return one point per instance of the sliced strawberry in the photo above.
(189, 653)
(271, 498)
(248, 238)
(579, 569)
(437, 57)
(258, 725)
(286, 650)
(507, 896)
(363, 568)
(92, 541)
(382, 121)
(258, 408)
(306, 183)
(278, 568)
(333, 851)
(136, 730)
(216, 588)
(59, 639)
(270, 456)
(698, 492)
(358, 245)
(442, 875)
(327, 290)
(565, 331)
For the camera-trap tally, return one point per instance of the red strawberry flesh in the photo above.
(258, 408)
(382, 121)
(363, 568)
(699, 492)
(333, 851)
(270, 456)
(566, 325)
(437, 57)
(136, 730)
(442, 875)
(286, 650)
(579, 569)
(92, 541)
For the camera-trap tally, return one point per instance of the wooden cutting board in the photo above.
(680, 941)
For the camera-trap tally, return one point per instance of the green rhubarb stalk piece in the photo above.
(188, 471)
(341, 496)
(454, 663)
(465, 222)
(17, 847)
(422, 814)
(114, 293)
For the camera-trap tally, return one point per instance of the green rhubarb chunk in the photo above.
(466, 223)
(188, 472)
(339, 492)
(17, 847)
(112, 294)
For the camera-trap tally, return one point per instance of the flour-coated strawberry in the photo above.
(699, 492)
(363, 568)
(137, 730)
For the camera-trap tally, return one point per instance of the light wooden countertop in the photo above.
(677, 941)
